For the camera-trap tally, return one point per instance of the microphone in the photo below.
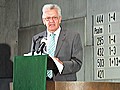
(34, 43)
(42, 46)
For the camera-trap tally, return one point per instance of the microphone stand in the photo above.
(34, 44)
(40, 48)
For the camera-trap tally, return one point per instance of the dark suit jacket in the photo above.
(69, 50)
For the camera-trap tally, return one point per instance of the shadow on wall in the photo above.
(6, 67)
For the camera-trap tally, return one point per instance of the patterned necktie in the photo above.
(51, 46)
(51, 50)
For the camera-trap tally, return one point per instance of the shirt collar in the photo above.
(56, 32)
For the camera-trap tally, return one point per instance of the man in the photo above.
(68, 48)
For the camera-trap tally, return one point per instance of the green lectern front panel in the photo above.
(30, 72)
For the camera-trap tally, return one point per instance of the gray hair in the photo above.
(51, 6)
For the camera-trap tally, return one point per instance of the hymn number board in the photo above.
(106, 46)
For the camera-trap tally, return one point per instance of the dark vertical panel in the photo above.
(6, 67)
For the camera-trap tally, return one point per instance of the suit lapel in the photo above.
(45, 34)
(60, 42)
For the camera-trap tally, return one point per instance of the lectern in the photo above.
(29, 72)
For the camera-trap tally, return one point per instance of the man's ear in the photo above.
(60, 19)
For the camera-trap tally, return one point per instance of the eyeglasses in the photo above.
(49, 18)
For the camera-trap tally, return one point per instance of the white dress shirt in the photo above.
(57, 32)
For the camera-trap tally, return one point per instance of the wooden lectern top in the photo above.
(77, 85)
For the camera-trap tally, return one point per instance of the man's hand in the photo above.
(58, 60)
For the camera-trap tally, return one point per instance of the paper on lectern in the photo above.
(30, 54)
(58, 64)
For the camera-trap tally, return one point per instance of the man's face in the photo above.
(52, 20)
